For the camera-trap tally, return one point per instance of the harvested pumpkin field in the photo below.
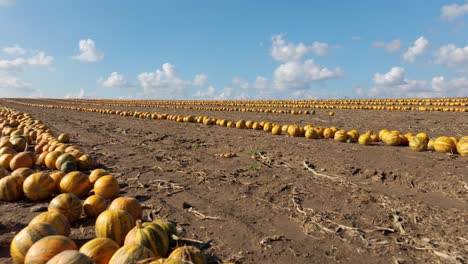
(249, 196)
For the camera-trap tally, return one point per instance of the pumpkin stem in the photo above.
(138, 223)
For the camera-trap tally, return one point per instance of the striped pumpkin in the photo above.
(27, 237)
(100, 249)
(96, 174)
(186, 254)
(23, 172)
(63, 158)
(131, 254)
(149, 235)
(94, 205)
(341, 136)
(75, 182)
(11, 188)
(107, 186)
(170, 229)
(38, 186)
(365, 139)
(58, 220)
(51, 158)
(392, 138)
(114, 224)
(128, 204)
(57, 176)
(85, 162)
(462, 148)
(47, 248)
(444, 144)
(417, 143)
(70, 257)
(67, 204)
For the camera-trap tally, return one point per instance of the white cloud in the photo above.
(282, 51)
(88, 51)
(417, 49)
(392, 46)
(12, 65)
(80, 94)
(164, 83)
(298, 75)
(395, 76)
(453, 11)
(395, 84)
(208, 94)
(452, 55)
(115, 80)
(239, 82)
(260, 83)
(200, 80)
(13, 87)
(14, 50)
(40, 59)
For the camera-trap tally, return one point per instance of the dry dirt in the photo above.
(280, 199)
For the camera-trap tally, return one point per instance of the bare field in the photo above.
(279, 199)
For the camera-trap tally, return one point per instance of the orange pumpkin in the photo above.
(107, 187)
(58, 220)
(444, 144)
(100, 249)
(114, 224)
(94, 205)
(67, 204)
(75, 182)
(85, 162)
(57, 177)
(70, 257)
(131, 254)
(38, 186)
(5, 160)
(47, 248)
(149, 235)
(11, 188)
(22, 160)
(96, 174)
(51, 158)
(23, 172)
(128, 204)
(27, 237)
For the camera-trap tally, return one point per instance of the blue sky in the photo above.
(233, 49)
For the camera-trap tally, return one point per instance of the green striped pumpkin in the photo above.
(67, 204)
(131, 254)
(114, 224)
(186, 254)
(27, 237)
(11, 188)
(58, 220)
(75, 182)
(47, 248)
(100, 249)
(71, 257)
(170, 229)
(149, 235)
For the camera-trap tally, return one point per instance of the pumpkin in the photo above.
(3, 172)
(48, 247)
(51, 158)
(186, 254)
(131, 254)
(7, 150)
(63, 158)
(71, 257)
(100, 249)
(151, 236)
(382, 133)
(22, 160)
(41, 158)
(64, 138)
(38, 186)
(85, 162)
(392, 138)
(311, 134)
(57, 177)
(423, 136)
(375, 138)
(114, 224)
(94, 205)
(107, 187)
(267, 127)
(444, 144)
(27, 237)
(96, 174)
(430, 144)
(365, 139)
(462, 148)
(294, 131)
(341, 136)
(11, 188)
(328, 133)
(128, 204)
(67, 204)
(68, 166)
(58, 220)
(23, 172)
(276, 130)
(5, 160)
(170, 229)
(353, 135)
(240, 124)
(417, 143)
(75, 182)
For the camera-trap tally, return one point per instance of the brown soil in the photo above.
(360, 204)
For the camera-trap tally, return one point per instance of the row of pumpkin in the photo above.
(419, 142)
(121, 237)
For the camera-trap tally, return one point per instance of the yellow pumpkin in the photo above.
(341, 136)
(149, 235)
(27, 237)
(94, 205)
(70, 257)
(128, 204)
(328, 133)
(294, 131)
(48, 247)
(96, 174)
(100, 249)
(444, 144)
(67, 204)
(131, 254)
(311, 134)
(365, 139)
(462, 148)
(56, 219)
(114, 224)
(11, 188)
(392, 138)
(107, 186)
(38, 186)
(417, 143)
(75, 182)
(186, 254)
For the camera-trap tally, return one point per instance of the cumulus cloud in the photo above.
(165, 82)
(208, 94)
(418, 48)
(453, 11)
(395, 84)
(260, 83)
(239, 82)
(88, 51)
(298, 75)
(17, 64)
(451, 55)
(391, 47)
(283, 51)
(14, 50)
(115, 80)
(11, 87)
(40, 59)
(12, 65)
